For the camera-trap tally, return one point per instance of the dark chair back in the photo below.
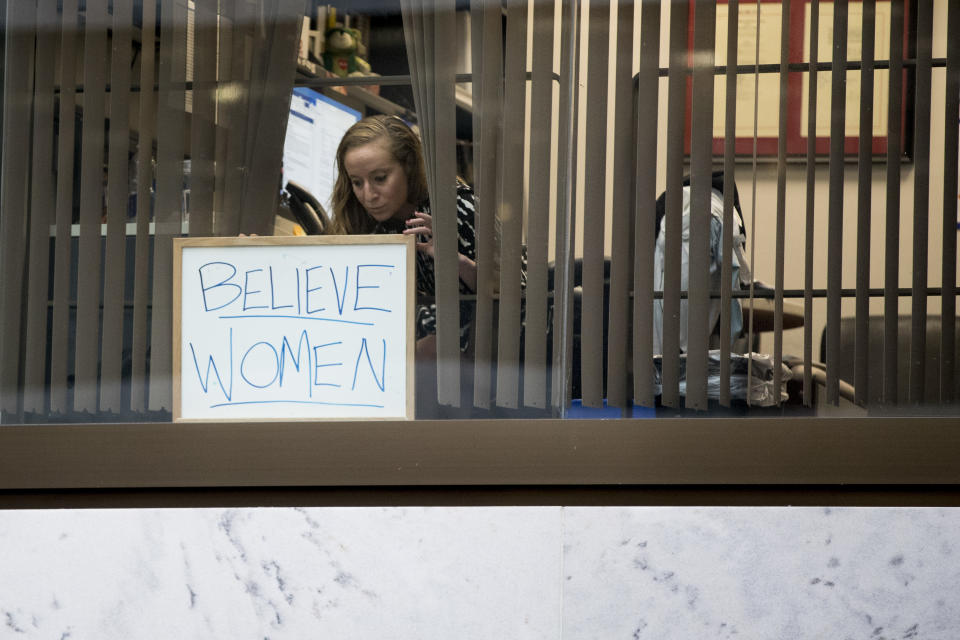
(931, 394)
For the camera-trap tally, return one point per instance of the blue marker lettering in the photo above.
(211, 364)
(297, 272)
(248, 292)
(356, 300)
(383, 366)
(309, 290)
(273, 287)
(317, 365)
(346, 278)
(285, 349)
(225, 282)
(276, 366)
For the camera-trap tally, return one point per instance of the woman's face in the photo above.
(379, 181)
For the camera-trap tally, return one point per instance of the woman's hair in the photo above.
(349, 216)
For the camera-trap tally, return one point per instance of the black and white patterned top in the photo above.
(426, 313)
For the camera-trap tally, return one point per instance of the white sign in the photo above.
(307, 328)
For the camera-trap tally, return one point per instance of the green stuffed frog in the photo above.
(340, 53)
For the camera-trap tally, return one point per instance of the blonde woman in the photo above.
(381, 187)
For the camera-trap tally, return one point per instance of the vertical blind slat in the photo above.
(676, 122)
(594, 205)
(648, 80)
(413, 36)
(114, 276)
(835, 223)
(421, 24)
(273, 84)
(42, 206)
(91, 207)
(223, 111)
(729, 185)
(809, 243)
(202, 131)
(61, 325)
(921, 201)
(444, 209)
(425, 108)
(255, 79)
(950, 150)
(141, 274)
(701, 151)
(490, 81)
(261, 159)
(781, 203)
(14, 183)
(562, 358)
(753, 186)
(864, 178)
(170, 121)
(476, 87)
(892, 241)
(539, 184)
(476, 151)
(621, 249)
(511, 205)
(428, 92)
(235, 121)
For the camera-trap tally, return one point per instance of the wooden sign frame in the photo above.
(335, 410)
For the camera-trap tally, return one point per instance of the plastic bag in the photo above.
(761, 377)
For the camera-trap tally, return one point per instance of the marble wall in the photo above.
(499, 572)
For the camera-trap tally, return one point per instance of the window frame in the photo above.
(762, 461)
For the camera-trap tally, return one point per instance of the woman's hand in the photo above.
(421, 226)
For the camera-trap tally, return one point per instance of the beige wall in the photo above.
(761, 219)
(765, 225)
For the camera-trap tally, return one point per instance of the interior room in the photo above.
(486, 318)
